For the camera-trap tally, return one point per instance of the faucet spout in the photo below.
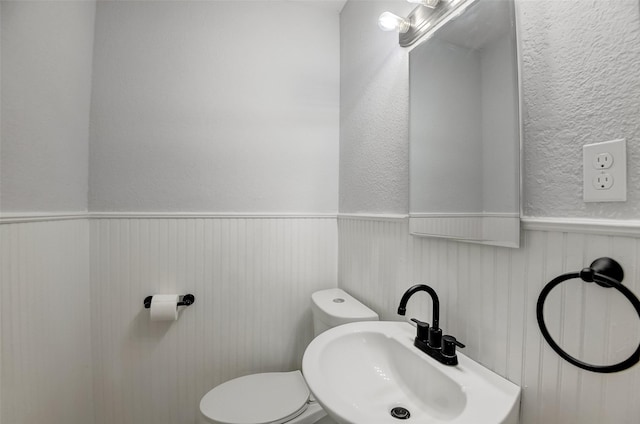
(402, 308)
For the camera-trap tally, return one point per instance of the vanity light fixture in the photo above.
(390, 22)
(424, 20)
(427, 3)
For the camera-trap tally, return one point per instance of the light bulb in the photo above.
(390, 22)
(428, 3)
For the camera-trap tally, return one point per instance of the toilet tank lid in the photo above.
(335, 306)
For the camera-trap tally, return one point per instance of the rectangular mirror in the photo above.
(465, 129)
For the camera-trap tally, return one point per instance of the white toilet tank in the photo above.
(333, 307)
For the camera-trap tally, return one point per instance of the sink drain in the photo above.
(400, 413)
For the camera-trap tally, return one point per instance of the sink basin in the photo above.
(359, 372)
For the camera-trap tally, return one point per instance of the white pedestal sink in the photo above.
(361, 371)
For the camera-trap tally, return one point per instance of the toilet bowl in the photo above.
(274, 398)
(282, 397)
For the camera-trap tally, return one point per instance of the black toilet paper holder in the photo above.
(187, 299)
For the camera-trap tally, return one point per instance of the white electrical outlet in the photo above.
(603, 161)
(603, 181)
(604, 167)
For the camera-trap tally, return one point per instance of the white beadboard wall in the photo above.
(488, 297)
(252, 279)
(45, 334)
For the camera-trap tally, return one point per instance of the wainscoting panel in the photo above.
(45, 334)
(252, 279)
(488, 297)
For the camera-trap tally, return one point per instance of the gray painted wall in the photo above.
(46, 87)
(580, 84)
(216, 107)
(374, 125)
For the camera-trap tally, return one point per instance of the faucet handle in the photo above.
(423, 330)
(449, 344)
(435, 337)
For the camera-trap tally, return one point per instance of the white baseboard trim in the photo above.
(16, 218)
(373, 217)
(610, 227)
(630, 228)
(206, 215)
(25, 217)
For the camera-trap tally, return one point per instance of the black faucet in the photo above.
(430, 339)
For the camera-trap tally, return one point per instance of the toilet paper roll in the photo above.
(164, 307)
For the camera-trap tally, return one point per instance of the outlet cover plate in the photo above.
(616, 171)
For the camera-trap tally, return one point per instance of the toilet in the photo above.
(282, 397)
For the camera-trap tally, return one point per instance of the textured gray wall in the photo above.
(193, 113)
(581, 85)
(46, 86)
(374, 122)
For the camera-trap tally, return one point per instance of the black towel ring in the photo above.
(607, 273)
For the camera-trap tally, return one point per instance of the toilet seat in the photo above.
(268, 398)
